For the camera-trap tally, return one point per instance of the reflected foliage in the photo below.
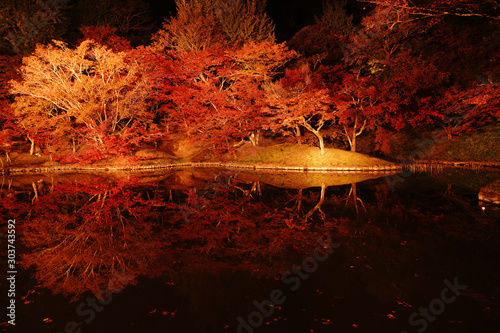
(194, 228)
(81, 233)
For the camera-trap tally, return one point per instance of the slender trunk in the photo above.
(254, 137)
(354, 193)
(353, 141)
(298, 134)
(34, 190)
(32, 148)
(299, 202)
(7, 156)
(317, 133)
(321, 141)
(448, 132)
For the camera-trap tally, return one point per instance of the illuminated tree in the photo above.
(464, 110)
(216, 95)
(298, 101)
(8, 128)
(357, 101)
(195, 27)
(245, 20)
(91, 88)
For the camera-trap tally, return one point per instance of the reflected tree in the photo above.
(81, 234)
(359, 208)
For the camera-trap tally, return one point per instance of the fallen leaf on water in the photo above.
(326, 321)
(171, 314)
(403, 303)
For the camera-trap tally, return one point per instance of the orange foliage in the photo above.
(90, 90)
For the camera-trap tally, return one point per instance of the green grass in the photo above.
(306, 156)
(482, 145)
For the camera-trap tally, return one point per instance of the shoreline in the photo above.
(425, 165)
(228, 165)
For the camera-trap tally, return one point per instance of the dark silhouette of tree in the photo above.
(25, 23)
(132, 19)
(336, 18)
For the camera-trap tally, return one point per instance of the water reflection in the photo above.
(223, 239)
(79, 233)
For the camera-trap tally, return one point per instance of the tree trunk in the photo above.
(298, 134)
(317, 133)
(239, 144)
(353, 143)
(318, 205)
(32, 148)
(34, 190)
(321, 141)
(254, 137)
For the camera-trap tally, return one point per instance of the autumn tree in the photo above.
(255, 65)
(193, 28)
(245, 20)
(412, 72)
(216, 94)
(298, 100)
(464, 110)
(200, 24)
(357, 101)
(89, 90)
(336, 18)
(8, 128)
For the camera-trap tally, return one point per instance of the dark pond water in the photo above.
(222, 251)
